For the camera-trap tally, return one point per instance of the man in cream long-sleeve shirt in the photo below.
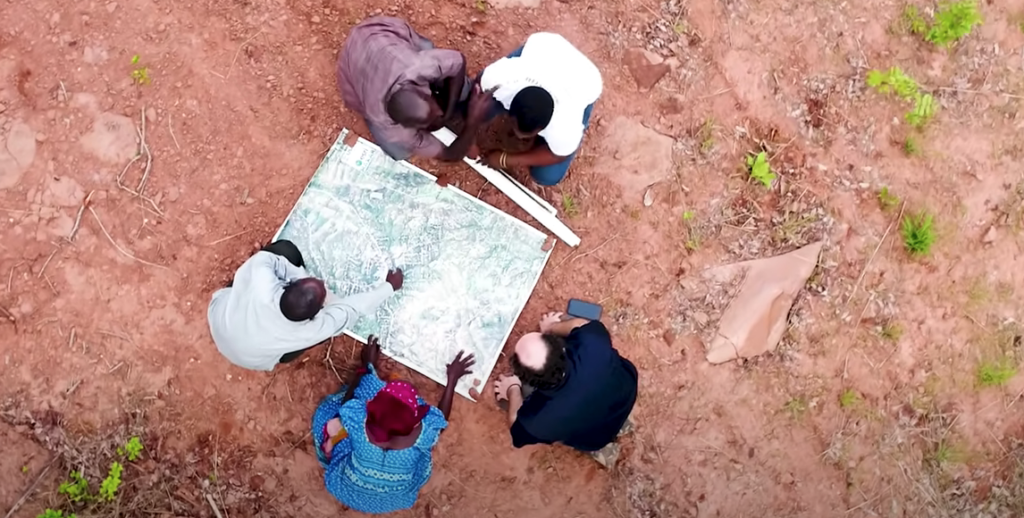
(273, 310)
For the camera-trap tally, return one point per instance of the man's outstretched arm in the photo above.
(341, 312)
(564, 326)
(539, 156)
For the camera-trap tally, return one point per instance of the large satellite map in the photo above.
(469, 268)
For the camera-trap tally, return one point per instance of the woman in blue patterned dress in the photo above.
(374, 439)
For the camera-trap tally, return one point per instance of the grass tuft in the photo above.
(995, 373)
(918, 234)
(953, 22)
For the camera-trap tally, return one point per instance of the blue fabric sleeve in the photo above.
(433, 423)
(522, 437)
(590, 336)
(369, 385)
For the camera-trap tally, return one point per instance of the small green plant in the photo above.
(50, 513)
(706, 134)
(995, 373)
(849, 399)
(911, 147)
(693, 237)
(913, 21)
(891, 331)
(796, 407)
(945, 453)
(887, 200)
(893, 81)
(24, 469)
(76, 489)
(569, 205)
(109, 486)
(481, 5)
(760, 170)
(140, 74)
(953, 21)
(923, 111)
(132, 449)
(918, 234)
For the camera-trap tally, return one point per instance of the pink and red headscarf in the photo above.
(394, 412)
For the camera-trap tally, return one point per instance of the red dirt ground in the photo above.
(869, 407)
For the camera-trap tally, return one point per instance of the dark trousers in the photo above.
(286, 249)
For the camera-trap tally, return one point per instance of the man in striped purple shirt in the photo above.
(405, 89)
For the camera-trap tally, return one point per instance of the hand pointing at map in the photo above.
(395, 278)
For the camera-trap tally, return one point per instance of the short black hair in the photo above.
(532, 108)
(302, 299)
(552, 374)
(407, 107)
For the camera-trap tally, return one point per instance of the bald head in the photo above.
(412, 108)
(532, 351)
(539, 360)
(303, 299)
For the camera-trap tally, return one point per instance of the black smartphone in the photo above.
(585, 310)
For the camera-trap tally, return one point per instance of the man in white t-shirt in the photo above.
(549, 88)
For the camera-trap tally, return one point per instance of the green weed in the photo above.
(706, 135)
(569, 206)
(911, 147)
(893, 81)
(24, 469)
(995, 373)
(849, 399)
(887, 200)
(693, 237)
(891, 331)
(481, 5)
(953, 21)
(945, 453)
(760, 170)
(76, 489)
(109, 486)
(140, 74)
(50, 513)
(913, 21)
(796, 407)
(132, 449)
(923, 111)
(918, 234)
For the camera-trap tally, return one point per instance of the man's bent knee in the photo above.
(550, 175)
(286, 249)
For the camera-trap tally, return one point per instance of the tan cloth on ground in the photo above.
(756, 318)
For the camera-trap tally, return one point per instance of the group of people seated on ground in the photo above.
(406, 89)
(374, 436)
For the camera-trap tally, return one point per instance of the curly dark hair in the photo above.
(553, 372)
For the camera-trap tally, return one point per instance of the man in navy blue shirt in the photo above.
(569, 385)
